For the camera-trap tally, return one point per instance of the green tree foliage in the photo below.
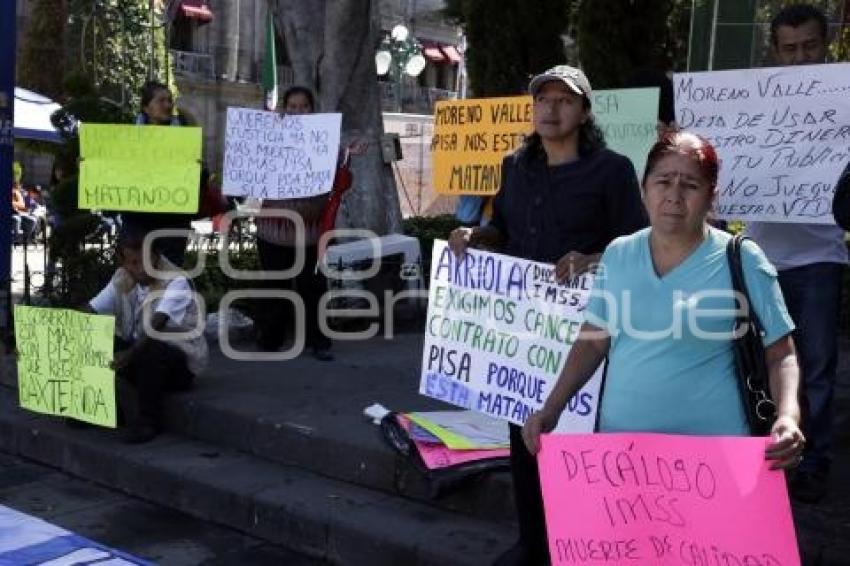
(839, 49)
(111, 53)
(619, 37)
(84, 269)
(42, 55)
(111, 45)
(509, 41)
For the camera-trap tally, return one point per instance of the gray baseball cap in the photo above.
(574, 78)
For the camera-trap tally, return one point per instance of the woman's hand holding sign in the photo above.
(787, 443)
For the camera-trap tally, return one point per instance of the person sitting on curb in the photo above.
(156, 347)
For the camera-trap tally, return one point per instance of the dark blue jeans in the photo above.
(813, 296)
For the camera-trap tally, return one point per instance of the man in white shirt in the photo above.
(150, 359)
(810, 259)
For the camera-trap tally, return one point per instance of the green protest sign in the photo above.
(629, 118)
(139, 168)
(63, 363)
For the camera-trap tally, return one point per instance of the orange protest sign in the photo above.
(471, 137)
(663, 499)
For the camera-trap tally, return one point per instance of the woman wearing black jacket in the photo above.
(563, 198)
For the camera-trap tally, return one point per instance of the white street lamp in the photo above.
(399, 55)
(415, 65)
(383, 60)
(400, 33)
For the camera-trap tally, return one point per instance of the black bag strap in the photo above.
(748, 317)
(739, 284)
(749, 349)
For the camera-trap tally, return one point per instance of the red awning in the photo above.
(195, 9)
(433, 53)
(451, 53)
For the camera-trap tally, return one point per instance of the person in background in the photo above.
(35, 202)
(678, 380)
(276, 245)
(149, 366)
(810, 259)
(25, 223)
(157, 109)
(563, 198)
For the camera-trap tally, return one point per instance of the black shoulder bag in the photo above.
(750, 361)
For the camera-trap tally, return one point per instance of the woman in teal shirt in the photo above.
(663, 313)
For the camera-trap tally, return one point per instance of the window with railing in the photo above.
(199, 65)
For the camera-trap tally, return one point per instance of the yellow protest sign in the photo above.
(471, 137)
(139, 168)
(63, 363)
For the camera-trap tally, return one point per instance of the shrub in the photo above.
(212, 284)
(427, 229)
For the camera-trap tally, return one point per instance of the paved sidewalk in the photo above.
(150, 532)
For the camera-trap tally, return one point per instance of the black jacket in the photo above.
(545, 212)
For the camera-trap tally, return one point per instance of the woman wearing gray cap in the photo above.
(564, 197)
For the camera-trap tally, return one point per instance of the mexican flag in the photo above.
(270, 65)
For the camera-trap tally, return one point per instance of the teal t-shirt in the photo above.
(671, 365)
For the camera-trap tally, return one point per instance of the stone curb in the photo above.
(332, 520)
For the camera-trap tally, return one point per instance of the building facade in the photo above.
(217, 50)
(218, 46)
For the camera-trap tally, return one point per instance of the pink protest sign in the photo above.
(436, 456)
(659, 499)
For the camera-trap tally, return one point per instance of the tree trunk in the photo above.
(227, 55)
(331, 44)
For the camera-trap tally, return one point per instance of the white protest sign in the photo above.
(782, 135)
(269, 155)
(497, 335)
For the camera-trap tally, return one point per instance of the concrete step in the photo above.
(318, 425)
(286, 505)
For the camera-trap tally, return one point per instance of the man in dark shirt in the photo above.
(810, 259)
(563, 198)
